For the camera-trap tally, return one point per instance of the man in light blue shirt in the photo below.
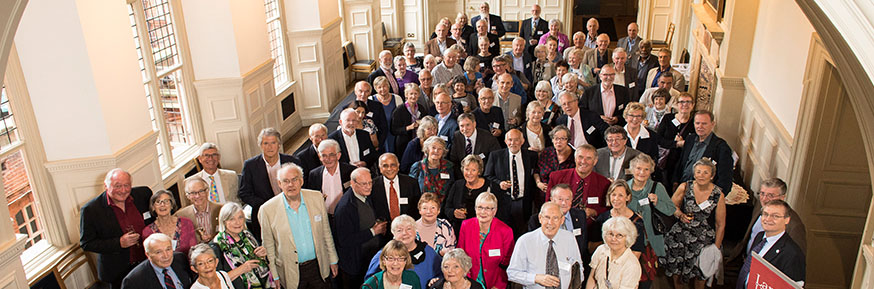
(543, 258)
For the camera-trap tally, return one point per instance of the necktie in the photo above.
(394, 208)
(391, 80)
(514, 179)
(745, 270)
(572, 129)
(213, 190)
(168, 281)
(551, 263)
(468, 148)
(580, 196)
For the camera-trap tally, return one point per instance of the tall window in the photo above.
(277, 44)
(161, 65)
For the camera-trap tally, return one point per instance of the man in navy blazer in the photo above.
(574, 220)
(163, 264)
(447, 124)
(258, 182)
(520, 59)
(406, 189)
(705, 143)
(586, 123)
(359, 227)
(496, 25)
(482, 30)
(533, 31)
(338, 174)
(482, 141)
(309, 157)
(775, 246)
(374, 109)
(518, 194)
(593, 97)
(355, 144)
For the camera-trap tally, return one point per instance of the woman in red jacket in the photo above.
(489, 243)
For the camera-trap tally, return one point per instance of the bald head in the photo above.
(362, 90)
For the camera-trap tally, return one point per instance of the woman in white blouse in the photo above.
(535, 132)
(613, 264)
(203, 263)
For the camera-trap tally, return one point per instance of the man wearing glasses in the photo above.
(769, 190)
(616, 157)
(223, 184)
(607, 100)
(774, 245)
(202, 211)
(359, 229)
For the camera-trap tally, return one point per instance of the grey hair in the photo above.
(156, 237)
(402, 58)
(402, 220)
(531, 106)
(289, 166)
(643, 159)
(318, 126)
(432, 141)
(208, 145)
(775, 183)
(424, 124)
(544, 85)
(226, 213)
(198, 250)
(269, 131)
(357, 173)
(412, 86)
(618, 50)
(459, 256)
(554, 21)
(621, 225)
(328, 143)
(188, 182)
(112, 173)
(548, 205)
(409, 45)
(568, 76)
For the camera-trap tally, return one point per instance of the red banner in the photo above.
(763, 275)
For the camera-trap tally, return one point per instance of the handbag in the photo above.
(661, 223)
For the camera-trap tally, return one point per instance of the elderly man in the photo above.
(355, 145)
(775, 246)
(488, 116)
(705, 143)
(297, 234)
(446, 118)
(449, 68)
(510, 103)
(375, 110)
(385, 69)
(607, 100)
(585, 127)
(471, 140)
(644, 60)
(579, 42)
(630, 43)
(456, 32)
(666, 81)
(600, 56)
(626, 74)
(664, 60)
(397, 194)
(359, 227)
(533, 28)
(426, 90)
(203, 212)
(574, 220)
(223, 184)
(501, 66)
(592, 27)
(616, 157)
(771, 189)
(109, 225)
(493, 22)
(589, 187)
(164, 269)
(332, 177)
(521, 59)
(258, 183)
(309, 156)
(512, 170)
(438, 45)
(539, 254)
(483, 31)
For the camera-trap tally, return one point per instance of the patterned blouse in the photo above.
(441, 230)
(183, 237)
(235, 253)
(548, 163)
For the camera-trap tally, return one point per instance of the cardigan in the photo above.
(494, 254)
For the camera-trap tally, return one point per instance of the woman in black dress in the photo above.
(459, 204)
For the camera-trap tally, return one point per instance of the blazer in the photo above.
(143, 275)
(590, 58)
(279, 240)
(591, 100)
(309, 157)
(255, 188)
(400, 119)
(795, 229)
(679, 80)
(602, 167)
(351, 237)
(526, 31)
(718, 151)
(314, 176)
(630, 75)
(648, 145)
(643, 70)
(377, 114)
(578, 219)
(473, 44)
(99, 232)
(214, 209)
(366, 151)
(786, 255)
(433, 47)
(494, 254)
(527, 61)
(498, 170)
(588, 121)
(447, 132)
(230, 185)
(377, 73)
(483, 145)
(544, 128)
(409, 192)
(623, 42)
(495, 23)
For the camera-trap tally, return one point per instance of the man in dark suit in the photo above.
(775, 246)
(355, 144)
(258, 183)
(630, 43)
(395, 193)
(374, 109)
(614, 96)
(615, 159)
(384, 69)
(769, 190)
(574, 220)
(533, 28)
(482, 30)
(359, 227)
(585, 127)
(644, 61)
(495, 24)
(309, 157)
(625, 71)
(512, 169)
(332, 177)
(705, 143)
(447, 124)
(164, 269)
(520, 60)
(109, 225)
(471, 140)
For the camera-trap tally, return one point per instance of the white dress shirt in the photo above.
(529, 258)
(642, 134)
(272, 171)
(332, 188)
(520, 172)
(579, 135)
(351, 147)
(616, 165)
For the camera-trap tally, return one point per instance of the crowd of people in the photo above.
(561, 163)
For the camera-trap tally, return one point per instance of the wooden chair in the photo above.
(358, 66)
(391, 44)
(70, 261)
(657, 44)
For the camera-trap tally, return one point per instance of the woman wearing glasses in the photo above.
(394, 261)
(673, 130)
(613, 263)
(203, 263)
(180, 230)
(425, 261)
(488, 242)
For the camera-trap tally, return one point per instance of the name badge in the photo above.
(496, 125)
(444, 176)
(676, 122)
(539, 32)
(317, 218)
(419, 255)
(578, 232)
(445, 138)
(590, 130)
(346, 185)
(147, 215)
(495, 253)
(704, 205)
(527, 65)
(494, 28)
(174, 243)
(592, 200)
(643, 202)
(370, 114)
(482, 64)
(404, 201)
(631, 85)
(564, 266)
(366, 152)
(405, 286)
(620, 107)
(482, 155)
(492, 45)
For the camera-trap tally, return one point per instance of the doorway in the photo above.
(613, 16)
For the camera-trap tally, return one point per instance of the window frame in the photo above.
(281, 89)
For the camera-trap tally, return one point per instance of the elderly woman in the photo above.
(551, 110)
(413, 151)
(366, 123)
(235, 247)
(179, 229)
(613, 264)
(437, 233)
(580, 68)
(647, 195)
(557, 157)
(394, 260)
(414, 63)
(389, 103)
(543, 68)
(534, 131)
(405, 120)
(698, 200)
(619, 194)
(403, 74)
(456, 265)
(460, 96)
(555, 31)
(570, 83)
(434, 172)
(472, 74)
(489, 243)
(459, 204)
(640, 137)
(672, 131)
(426, 262)
(561, 68)
(484, 56)
(203, 263)
(429, 62)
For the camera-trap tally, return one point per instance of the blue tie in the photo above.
(745, 270)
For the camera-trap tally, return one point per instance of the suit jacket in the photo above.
(350, 235)
(591, 100)
(525, 31)
(99, 232)
(473, 44)
(255, 188)
(409, 190)
(630, 75)
(590, 58)
(623, 42)
(498, 170)
(679, 80)
(495, 23)
(143, 275)
(447, 132)
(795, 229)
(643, 70)
(588, 120)
(432, 47)
(786, 255)
(377, 73)
(648, 145)
(400, 119)
(578, 219)
(718, 151)
(527, 62)
(484, 144)
(214, 209)
(602, 167)
(230, 185)
(314, 176)
(366, 152)
(279, 240)
(544, 128)
(309, 157)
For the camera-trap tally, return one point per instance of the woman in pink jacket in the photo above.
(488, 242)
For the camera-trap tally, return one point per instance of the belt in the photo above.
(310, 262)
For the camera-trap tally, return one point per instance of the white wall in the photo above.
(779, 57)
(210, 36)
(250, 31)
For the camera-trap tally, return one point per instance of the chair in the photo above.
(512, 28)
(70, 261)
(656, 44)
(391, 44)
(358, 66)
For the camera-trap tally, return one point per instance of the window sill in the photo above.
(183, 161)
(39, 259)
(284, 90)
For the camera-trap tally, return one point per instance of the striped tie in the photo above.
(168, 281)
(213, 190)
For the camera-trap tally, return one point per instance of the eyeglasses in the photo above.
(330, 155)
(560, 138)
(209, 261)
(774, 216)
(368, 183)
(685, 102)
(210, 155)
(613, 235)
(200, 192)
(613, 140)
(163, 202)
(481, 208)
(288, 181)
(763, 194)
(635, 116)
(395, 259)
